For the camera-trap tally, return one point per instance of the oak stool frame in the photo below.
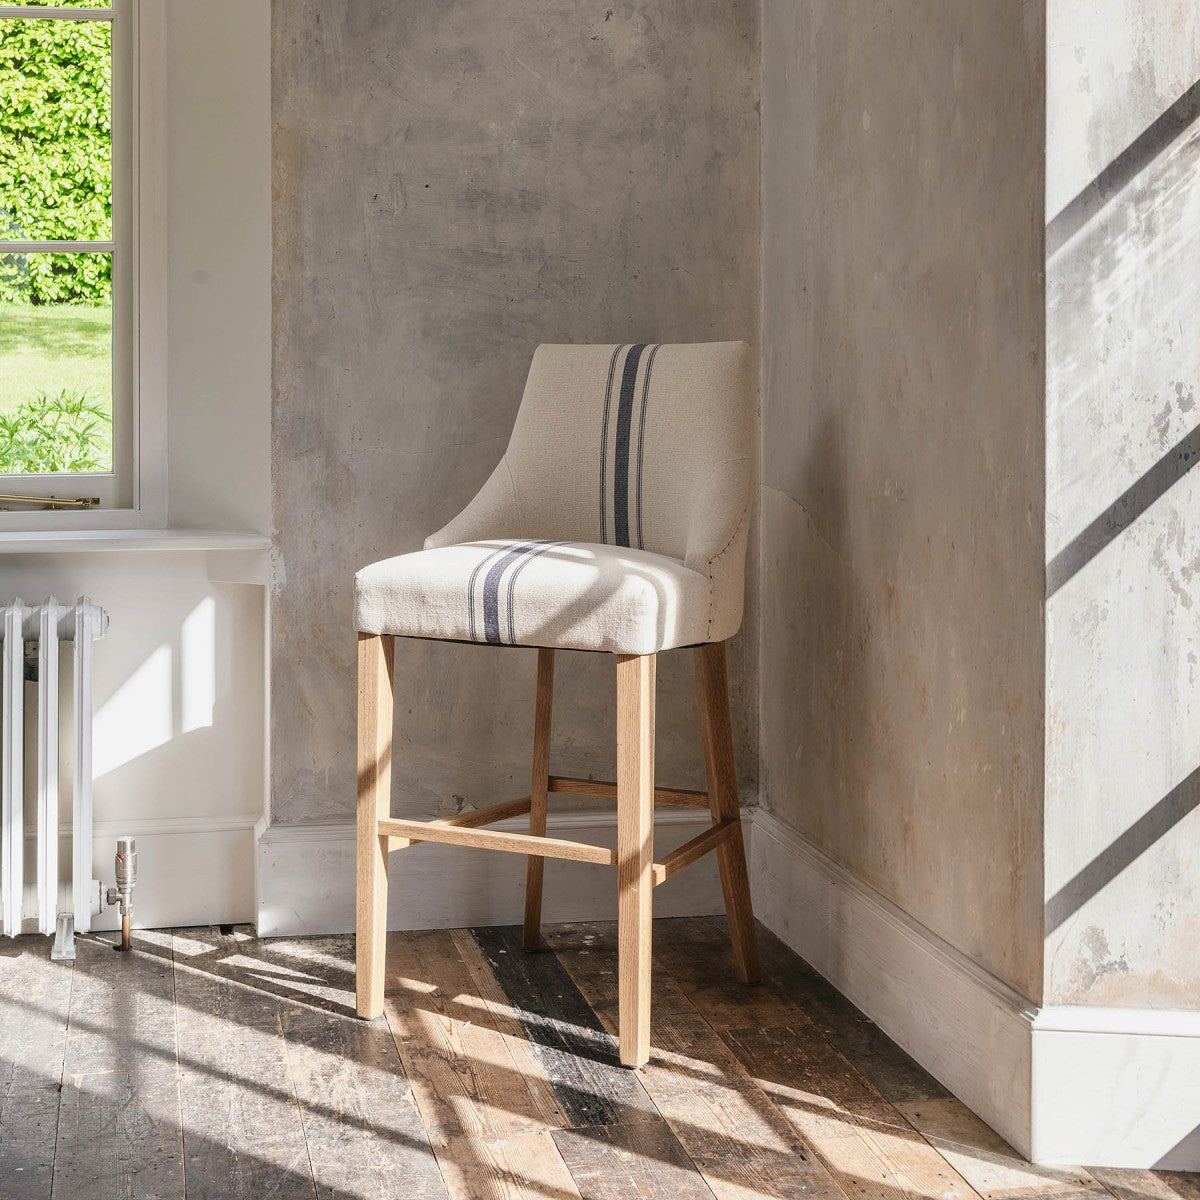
(380, 834)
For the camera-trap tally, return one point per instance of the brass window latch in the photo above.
(50, 502)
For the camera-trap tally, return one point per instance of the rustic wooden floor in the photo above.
(211, 1064)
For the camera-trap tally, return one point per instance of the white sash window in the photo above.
(82, 326)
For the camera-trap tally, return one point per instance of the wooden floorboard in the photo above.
(865, 1143)
(1149, 1185)
(35, 996)
(485, 1103)
(872, 1114)
(643, 1160)
(210, 1063)
(618, 1143)
(243, 1132)
(359, 1117)
(892, 1072)
(576, 1053)
(995, 1169)
(471, 1068)
(741, 1144)
(867, 1146)
(120, 1129)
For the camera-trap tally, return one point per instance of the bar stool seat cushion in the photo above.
(569, 595)
(616, 520)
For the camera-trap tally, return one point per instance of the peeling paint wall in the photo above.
(455, 183)
(902, 501)
(1123, 506)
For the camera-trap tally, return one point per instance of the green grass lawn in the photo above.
(45, 348)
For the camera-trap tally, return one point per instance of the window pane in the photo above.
(55, 363)
(55, 130)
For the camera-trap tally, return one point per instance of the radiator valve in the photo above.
(126, 872)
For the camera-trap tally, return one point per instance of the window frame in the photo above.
(133, 495)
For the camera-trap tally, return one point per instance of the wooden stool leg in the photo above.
(713, 701)
(635, 851)
(537, 795)
(375, 676)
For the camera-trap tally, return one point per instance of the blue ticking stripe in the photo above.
(512, 582)
(621, 450)
(491, 590)
(483, 562)
(642, 440)
(612, 367)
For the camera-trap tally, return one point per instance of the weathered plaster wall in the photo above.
(902, 500)
(1123, 610)
(455, 183)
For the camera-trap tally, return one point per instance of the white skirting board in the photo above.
(1117, 1087)
(306, 878)
(191, 870)
(1063, 1085)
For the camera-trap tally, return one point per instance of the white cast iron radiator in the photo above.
(31, 635)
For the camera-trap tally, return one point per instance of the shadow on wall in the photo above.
(1122, 512)
(1135, 841)
(156, 715)
(1123, 169)
(172, 692)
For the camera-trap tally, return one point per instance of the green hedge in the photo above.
(55, 157)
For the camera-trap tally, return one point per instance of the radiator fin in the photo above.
(45, 626)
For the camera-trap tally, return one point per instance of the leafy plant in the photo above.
(65, 431)
(55, 157)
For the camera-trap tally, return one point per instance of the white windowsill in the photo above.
(90, 541)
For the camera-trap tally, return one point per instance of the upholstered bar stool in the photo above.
(616, 522)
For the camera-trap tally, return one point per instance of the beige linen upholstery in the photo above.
(616, 520)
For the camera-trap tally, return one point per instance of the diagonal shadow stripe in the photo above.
(578, 1056)
(1137, 839)
(1122, 513)
(1123, 169)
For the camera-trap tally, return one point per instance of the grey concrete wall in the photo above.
(454, 183)
(902, 500)
(1123, 429)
